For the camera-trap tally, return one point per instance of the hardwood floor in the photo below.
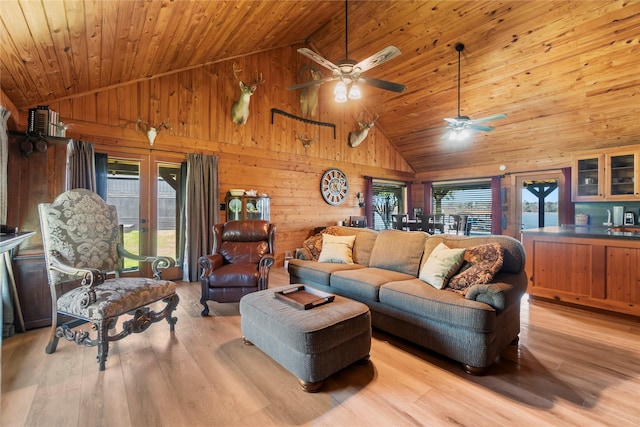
(572, 367)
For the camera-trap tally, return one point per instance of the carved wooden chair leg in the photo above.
(172, 303)
(103, 341)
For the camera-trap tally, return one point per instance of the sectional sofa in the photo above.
(472, 325)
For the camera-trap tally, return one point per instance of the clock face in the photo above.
(334, 186)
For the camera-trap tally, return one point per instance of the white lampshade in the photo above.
(340, 92)
(354, 92)
(459, 134)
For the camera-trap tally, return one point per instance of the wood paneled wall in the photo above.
(260, 155)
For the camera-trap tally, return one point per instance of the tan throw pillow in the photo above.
(337, 249)
(481, 263)
(441, 265)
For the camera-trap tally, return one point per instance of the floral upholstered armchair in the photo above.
(83, 253)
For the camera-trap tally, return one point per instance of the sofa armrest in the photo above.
(303, 253)
(491, 294)
(506, 291)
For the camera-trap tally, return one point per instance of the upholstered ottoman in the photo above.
(311, 344)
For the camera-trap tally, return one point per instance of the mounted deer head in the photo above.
(356, 137)
(306, 139)
(151, 131)
(240, 108)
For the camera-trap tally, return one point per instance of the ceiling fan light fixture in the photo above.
(354, 92)
(340, 92)
(459, 128)
(459, 134)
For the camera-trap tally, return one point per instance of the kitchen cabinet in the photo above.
(598, 272)
(588, 178)
(248, 207)
(606, 176)
(621, 175)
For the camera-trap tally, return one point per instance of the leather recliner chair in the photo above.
(242, 255)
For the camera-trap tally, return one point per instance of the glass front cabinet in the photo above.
(609, 176)
(247, 207)
(621, 180)
(588, 178)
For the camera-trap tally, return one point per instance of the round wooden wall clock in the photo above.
(334, 186)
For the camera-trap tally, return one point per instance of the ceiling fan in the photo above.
(458, 127)
(349, 72)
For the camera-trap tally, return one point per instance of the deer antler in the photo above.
(151, 131)
(165, 125)
(140, 122)
(306, 139)
(236, 71)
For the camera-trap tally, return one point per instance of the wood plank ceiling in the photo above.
(565, 72)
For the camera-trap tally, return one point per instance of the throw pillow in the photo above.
(441, 265)
(337, 249)
(313, 245)
(481, 263)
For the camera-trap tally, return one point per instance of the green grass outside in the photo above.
(166, 245)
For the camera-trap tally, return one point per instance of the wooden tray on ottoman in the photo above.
(304, 297)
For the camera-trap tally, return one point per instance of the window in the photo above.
(388, 198)
(472, 198)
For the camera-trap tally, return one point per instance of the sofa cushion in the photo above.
(317, 272)
(363, 284)
(413, 297)
(399, 251)
(362, 247)
(337, 249)
(442, 264)
(481, 263)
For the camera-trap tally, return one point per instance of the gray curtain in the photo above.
(4, 153)
(81, 166)
(202, 211)
(6, 308)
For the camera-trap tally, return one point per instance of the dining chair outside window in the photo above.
(461, 224)
(358, 221)
(84, 257)
(399, 221)
(433, 223)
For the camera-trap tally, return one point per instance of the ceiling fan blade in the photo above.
(486, 119)
(319, 59)
(384, 55)
(382, 84)
(446, 134)
(311, 83)
(481, 127)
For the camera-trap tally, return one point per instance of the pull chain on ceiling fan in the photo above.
(349, 72)
(459, 128)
